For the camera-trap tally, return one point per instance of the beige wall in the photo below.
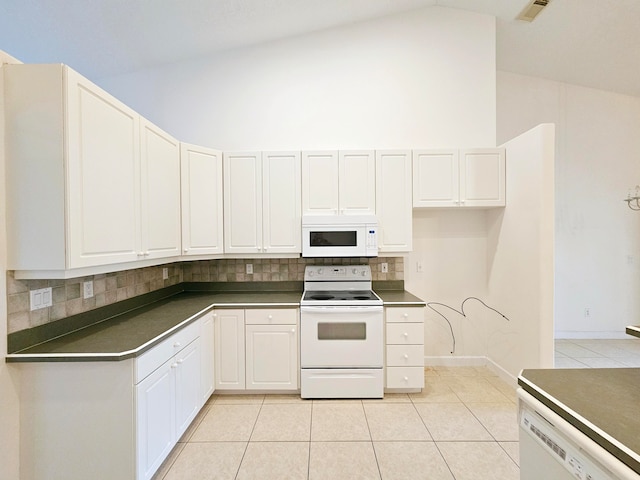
(9, 404)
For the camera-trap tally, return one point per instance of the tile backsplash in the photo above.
(113, 287)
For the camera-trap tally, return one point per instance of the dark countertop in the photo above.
(396, 298)
(633, 330)
(600, 402)
(130, 334)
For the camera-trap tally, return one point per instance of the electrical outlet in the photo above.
(587, 312)
(384, 267)
(419, 267)
(249, 268)
(165, 273)
(87, 289)
(41, 298)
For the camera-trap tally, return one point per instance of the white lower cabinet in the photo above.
(111, 419)
(404, 360)
(256, 349)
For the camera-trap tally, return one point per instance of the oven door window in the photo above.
(343, 238)
(342, 331)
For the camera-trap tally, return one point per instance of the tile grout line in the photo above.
(375, 455)
(249, 439)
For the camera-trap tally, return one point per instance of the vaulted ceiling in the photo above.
(594, 43)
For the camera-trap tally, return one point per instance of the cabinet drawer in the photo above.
(405, 334)
(271, 316)
(405, 377)
(152, 359)
(404, 314)
(405, 355)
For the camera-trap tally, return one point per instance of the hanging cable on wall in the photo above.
(633, 202)
(461, 312)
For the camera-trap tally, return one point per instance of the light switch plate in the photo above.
(41, 298)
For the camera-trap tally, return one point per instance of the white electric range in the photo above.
(341, 334)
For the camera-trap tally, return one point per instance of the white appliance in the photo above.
(339, 236)
(552, 448)
(341, 334)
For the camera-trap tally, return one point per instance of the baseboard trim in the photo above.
(469, 361)
(606, 335)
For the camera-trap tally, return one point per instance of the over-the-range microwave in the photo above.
(339, 236)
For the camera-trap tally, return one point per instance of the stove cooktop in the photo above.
(339, 297)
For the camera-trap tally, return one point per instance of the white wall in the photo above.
(420, 79)
(9, 405)
(520, 257)
(597, 160)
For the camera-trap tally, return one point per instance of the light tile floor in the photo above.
(597, 353)
(462, 426)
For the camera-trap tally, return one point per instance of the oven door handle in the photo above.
(333, 310)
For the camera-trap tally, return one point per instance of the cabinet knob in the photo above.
(270, 317)
(406, 379)
(141, 254)
(405, 315)
(175, 365)
(406, 356)
(293, 330)
(180, 361)
(185, 250)
(146, 254)
(176, 345)
(215, 315)
(405, 334)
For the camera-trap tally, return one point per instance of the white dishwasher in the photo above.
(553, 449)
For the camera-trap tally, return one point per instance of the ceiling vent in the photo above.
(532, 10)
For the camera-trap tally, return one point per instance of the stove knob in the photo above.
(311, 273)
(319, 271)
(355, 271)
(363, 273)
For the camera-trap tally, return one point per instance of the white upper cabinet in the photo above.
(100, 186)
(338, 182)
(320, 183)
(73, 172)
(394, 200)
(242, 202)
(202, 220)
(262, 202)
(160, 167)
(281, 221)
(459, 178)
(482, 177)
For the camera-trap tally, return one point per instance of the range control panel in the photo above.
(340, 273)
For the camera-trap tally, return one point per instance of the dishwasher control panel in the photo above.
(570, 456)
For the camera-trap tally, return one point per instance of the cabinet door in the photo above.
(229, 349)
(272, 357)
(320, 183)
(357, 182)
(201, 177)
(281, 202)
(207, 377)
(160, 162)
(393, 200)
(103, 176)
(156, 419)
(435, 178)
(188, 394)
(482, 177)
(242, 202)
